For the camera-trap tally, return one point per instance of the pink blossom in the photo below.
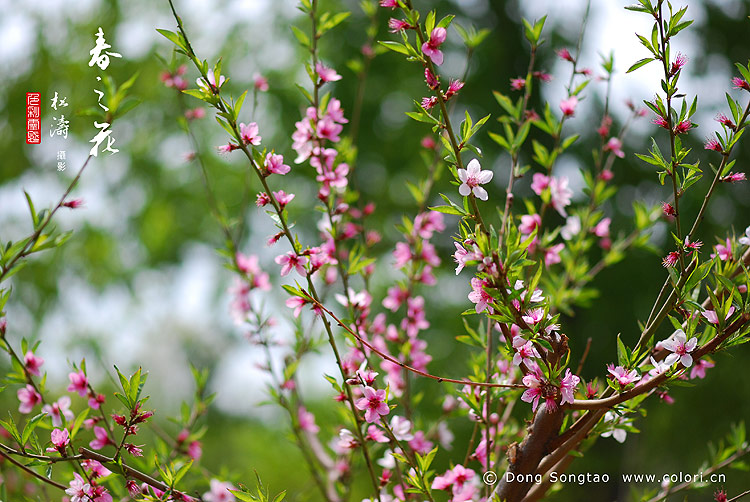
(678, 63)
(307, 421)
(605, 126)
(396, 25)
(471, 178)
(712, 144)
(402, 254)
(659, 367)
(568, 386)
(661, 122)
(533, 316)
(329, 129)
(219, 492)
(539, 183)
(724, 120)
(668, 209)
(32, 363)
(59, 409)
(95, 468)
(283, 198)
(683, 127)
(326, 74)
(525, 350)
(249, 134)
(565, 54)
(376, 434)
(680, 347)
(431, 48)
(713, 318)
(427, 223)
(671, 259)
(429, 102)
(134, 450)
(367, 376)
(517, 84)
(533, 383)
(401, 428)
(699, 370)
(345, 442)
(29, 397)
(60, 440)
(303, 140)
(335, 112)
(396, 296)
(420, 444)
(462, 256)
(568, 106)
(552, 254)
(102, 439)
(275, 164)
(292, 260)
(733, 178)
(260, 82)
(78, 383)
(560, 194)
(478, 295)
(247, 264)
(529, 222)
(453, 88)
(194, 450)
(389, 3)
(623, 376)
(740, 83)
(192, 114)
(211, 86)
(73, 203)
(602, 228)
(79, 490)
(374, 402)
(429, 254)
(229, 147)
(415, 321)
(614, 145)
(453, 479)
(133, 489)
(724, 252)
(296, 303)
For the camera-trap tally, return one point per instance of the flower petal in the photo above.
(480, 193)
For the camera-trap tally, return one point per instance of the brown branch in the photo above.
(128, 471)
(32, 472)
(526, 457)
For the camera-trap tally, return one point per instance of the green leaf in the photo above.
(446, 21)
(173, 37)
(30, 426)
(34, 216)
(302, 37)
(622, 353)
(238, 104)
(394, 46)
(639, 63)
(182, 471)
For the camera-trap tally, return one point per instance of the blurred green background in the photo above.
(140, 281)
